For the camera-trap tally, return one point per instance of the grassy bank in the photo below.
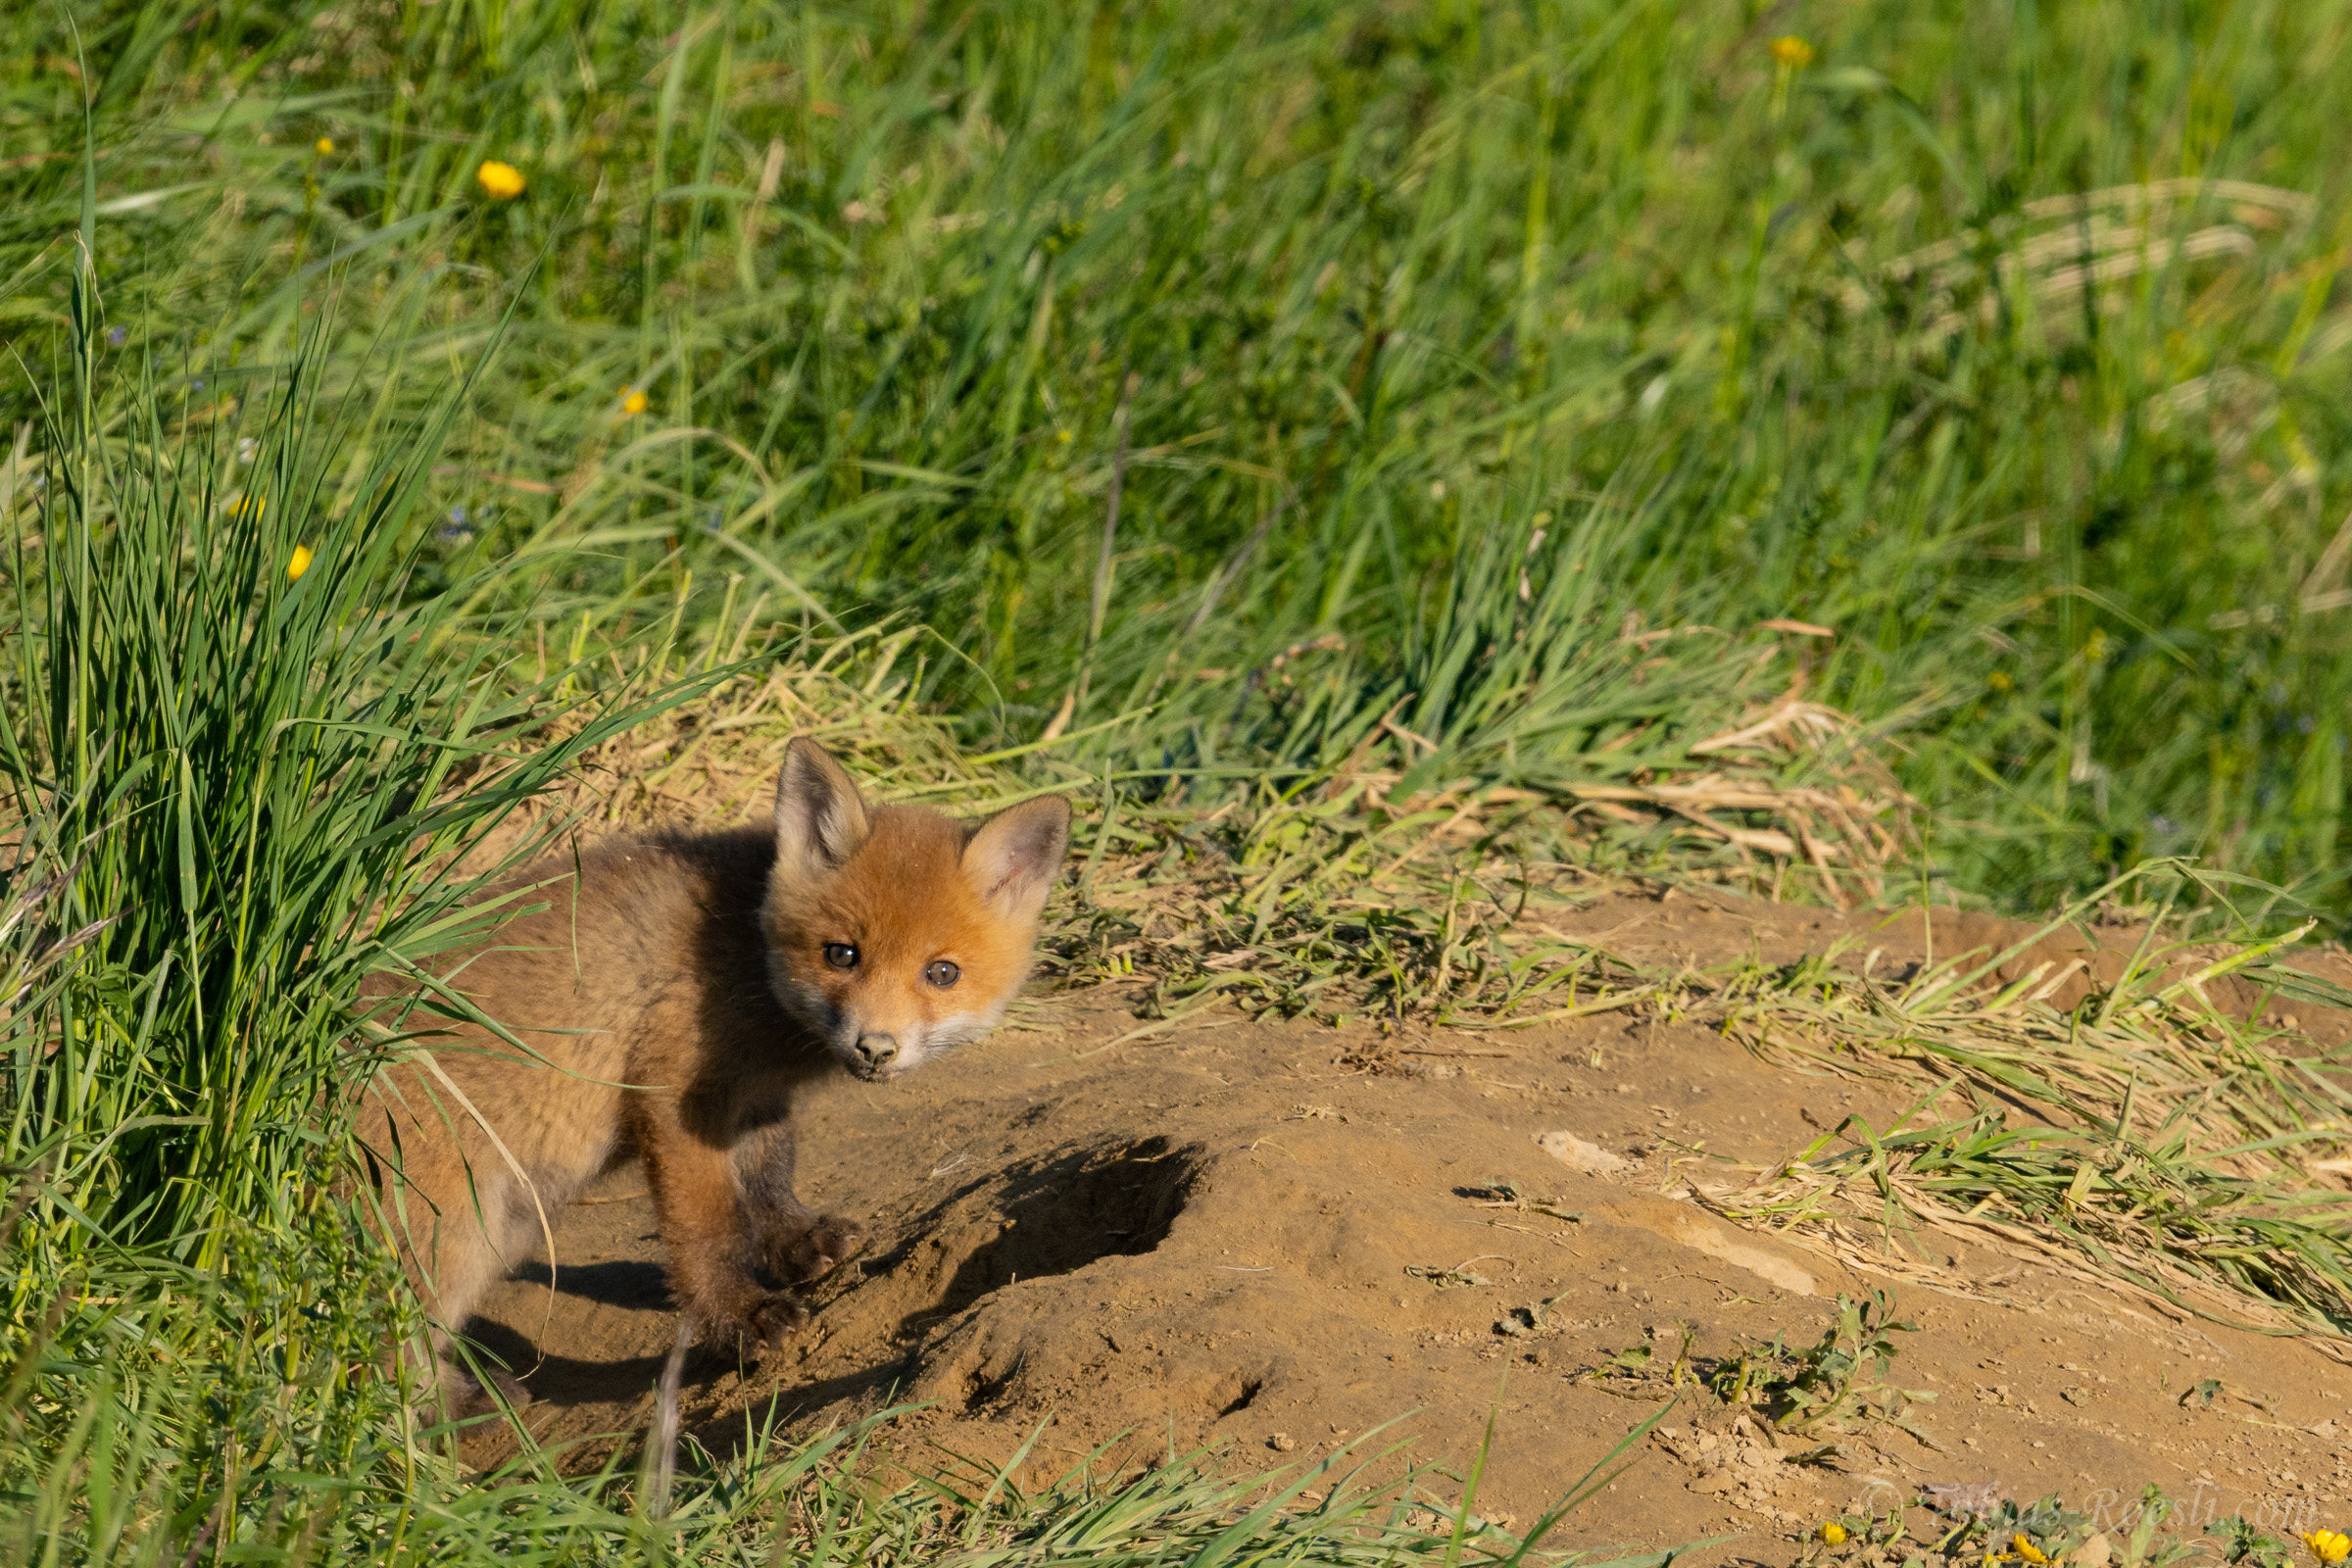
(1358, 448)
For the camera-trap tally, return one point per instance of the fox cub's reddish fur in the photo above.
(674, 994)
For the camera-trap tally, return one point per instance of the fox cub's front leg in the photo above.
(791, 1240)
(704, 1233)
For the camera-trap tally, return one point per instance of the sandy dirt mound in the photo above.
(1242, 1233)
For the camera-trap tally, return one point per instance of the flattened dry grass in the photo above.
(1328, 894)
(2148, 1139)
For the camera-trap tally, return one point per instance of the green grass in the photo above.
(1381, 282)
(236, 786)
(1829, 1388)
(1397, 461)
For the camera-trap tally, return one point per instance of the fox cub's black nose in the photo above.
(876, 1050)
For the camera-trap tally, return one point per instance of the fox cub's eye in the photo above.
(841, 955)
(941, 974)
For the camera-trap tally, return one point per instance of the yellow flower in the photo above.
(2028, 1550)
(2329, 1547)
(2000, 682)
(502, 180)
(248, 505)
(326, 145)
(298, 563)
(1832, 1534)
(1792, 52)
(632, 402)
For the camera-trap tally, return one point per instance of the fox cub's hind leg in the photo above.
(455, 1224)
(791, 1240)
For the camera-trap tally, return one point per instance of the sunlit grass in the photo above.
(2009, 350)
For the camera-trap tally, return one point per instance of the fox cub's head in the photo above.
(894, 932)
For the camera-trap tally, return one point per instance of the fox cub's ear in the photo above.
(1014, 856)
(820, 817)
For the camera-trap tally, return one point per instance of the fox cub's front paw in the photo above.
(773, 1319)
(820, 1249)
(753, 1323)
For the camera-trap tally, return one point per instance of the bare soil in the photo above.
(1207, 1236)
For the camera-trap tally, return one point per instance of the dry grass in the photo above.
(2146, 1139)
(1326, 896)
(2054, 249)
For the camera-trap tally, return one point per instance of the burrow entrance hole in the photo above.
(1063, 1213)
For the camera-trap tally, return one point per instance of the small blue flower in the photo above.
(116, 335)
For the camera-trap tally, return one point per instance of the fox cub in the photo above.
(673, 994)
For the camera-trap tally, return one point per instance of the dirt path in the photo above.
(1209, 1236)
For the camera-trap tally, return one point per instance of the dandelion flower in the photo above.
(632, 402)
(2027, 1551)
(2001, 682)
(325, 146)
(1792, 52)
(298, 563)
(502, 181)
(2328, 1546)
(248, 505)
(1832, 1534)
